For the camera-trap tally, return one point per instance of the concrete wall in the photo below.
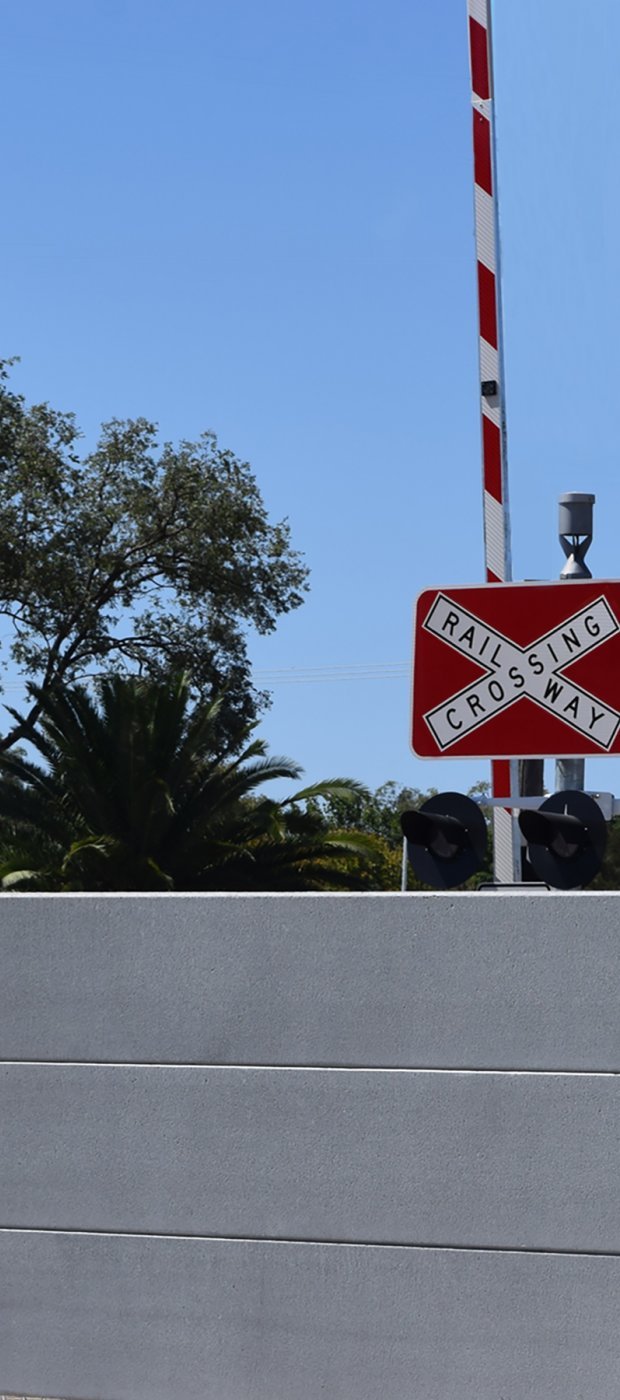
(274, 1148)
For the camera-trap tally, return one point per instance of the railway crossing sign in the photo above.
(517, 670)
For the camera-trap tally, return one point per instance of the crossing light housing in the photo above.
(575, 532)
(446, 839)
(566, 838)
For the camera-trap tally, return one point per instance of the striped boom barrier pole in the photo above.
(505, 780)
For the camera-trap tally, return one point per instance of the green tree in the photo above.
(134, 556)
(138, 791)
(377, 814)
(609, 875)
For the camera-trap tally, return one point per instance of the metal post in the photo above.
(505, 779)
(570, 774)
(403, 868)
(575, 532)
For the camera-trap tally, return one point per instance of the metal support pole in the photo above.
(504, 773)
(575, 532)
(570, 774)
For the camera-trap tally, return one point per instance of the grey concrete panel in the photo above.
(496, 981)
(120, 1318)
(440, 1158)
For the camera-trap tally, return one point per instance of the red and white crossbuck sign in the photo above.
(517, 670)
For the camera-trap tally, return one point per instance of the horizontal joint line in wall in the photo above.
(549, 1072)
(427, 1246)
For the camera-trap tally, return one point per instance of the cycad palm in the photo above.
(135, 795)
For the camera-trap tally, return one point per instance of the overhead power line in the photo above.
(318, 675)
(295, 675)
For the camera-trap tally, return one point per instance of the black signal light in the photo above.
(446, 839)
(566, 838)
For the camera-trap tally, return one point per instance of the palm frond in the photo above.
(134, 791)
(345, 788)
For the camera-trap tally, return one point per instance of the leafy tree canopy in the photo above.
(376, 814)
(609, 875)
(135, 556)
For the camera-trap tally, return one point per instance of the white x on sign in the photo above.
(511, 671)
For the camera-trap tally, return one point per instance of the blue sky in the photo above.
(258, 219)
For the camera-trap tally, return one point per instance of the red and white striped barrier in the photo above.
(492, 401)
